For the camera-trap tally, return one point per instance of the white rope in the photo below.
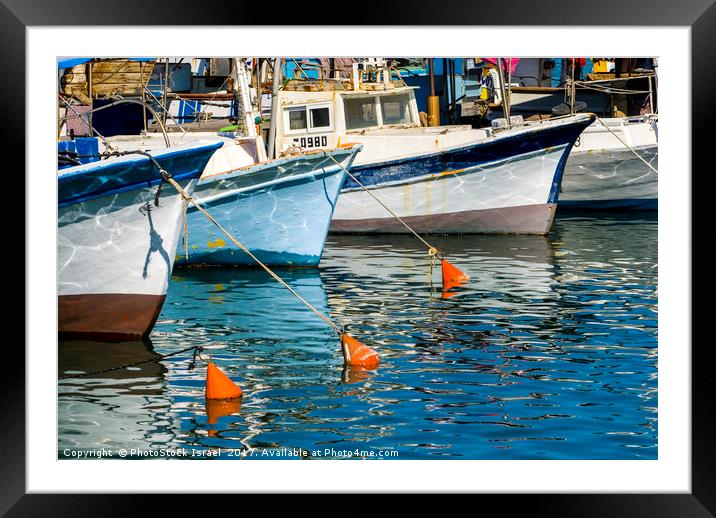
(188, 198)
(628, 146)
(432, 251)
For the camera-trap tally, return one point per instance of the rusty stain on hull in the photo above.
(108, 316)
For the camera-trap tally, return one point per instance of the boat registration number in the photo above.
(318, 141)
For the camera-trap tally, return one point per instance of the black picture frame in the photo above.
(700, 15)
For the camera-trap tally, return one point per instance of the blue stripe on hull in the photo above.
(284, 224)
(233, 256)
(106, 177)
(625, 204)
(375, 175)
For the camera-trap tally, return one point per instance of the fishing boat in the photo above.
(614, 162)
(118, 229)
(442, 179)
(279, 208)
(613, 166)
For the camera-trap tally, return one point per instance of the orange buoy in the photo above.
(452, 276)
(218, 384)
(357, 354)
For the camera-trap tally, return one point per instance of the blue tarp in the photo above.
(73, 62)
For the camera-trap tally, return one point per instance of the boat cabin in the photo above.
(321, 113)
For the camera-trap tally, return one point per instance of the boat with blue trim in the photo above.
(118, 229)
(602, 173)
(613, 164)
(279, 208)
(442, 179)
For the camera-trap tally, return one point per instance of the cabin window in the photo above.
(297, 119)
(360, 112)
(320, 117)
(395, 109)
(307, 119)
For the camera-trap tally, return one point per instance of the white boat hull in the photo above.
(602, 173)
(506, 183)
(510, 196)
(116, 248)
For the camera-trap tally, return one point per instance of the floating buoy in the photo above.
(357, 354)
(218, 384)
(452, 276)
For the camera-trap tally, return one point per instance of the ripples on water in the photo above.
(550, 352)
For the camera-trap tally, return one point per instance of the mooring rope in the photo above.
(627, 145)
(432, 251)
(141, 362)
(186, 232)
(168, 178)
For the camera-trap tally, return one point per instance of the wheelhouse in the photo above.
(320, 119)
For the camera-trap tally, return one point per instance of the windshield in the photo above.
(360, 112)
(377, 110)
(395, 109)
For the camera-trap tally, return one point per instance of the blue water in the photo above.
(549, 352)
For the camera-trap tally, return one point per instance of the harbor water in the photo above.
(548, 352)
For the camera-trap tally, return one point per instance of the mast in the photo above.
(571, 89)
(453, 94)
(505, 102)
(166, 92)
(274, 108)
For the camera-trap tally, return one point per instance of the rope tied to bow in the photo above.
(196, 348)
(433, 252)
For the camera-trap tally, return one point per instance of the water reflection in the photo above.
(113, 408)
(549, 351)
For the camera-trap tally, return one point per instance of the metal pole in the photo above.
(89, 91)
(432, 76)
(508, 87)
(445, 88)
(571, 90)
(453, 95)
(274, 108)
(144, 109)
(257, 99)
(505, 103)
(166, 92)
(656, 84)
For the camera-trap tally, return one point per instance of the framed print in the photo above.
(433, 272)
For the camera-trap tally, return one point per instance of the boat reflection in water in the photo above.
(260, 335)
(548, 352)
(510, 276)
(119, 408)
